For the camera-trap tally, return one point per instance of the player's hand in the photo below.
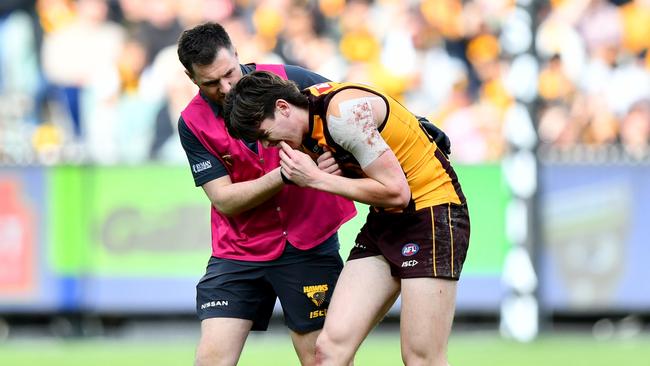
(298, 166)
(328, 164)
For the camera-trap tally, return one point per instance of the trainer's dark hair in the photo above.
(253, 99)
(200, 45)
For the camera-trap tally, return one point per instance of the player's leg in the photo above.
(364, 293)
(427, 313)
(231, 299)
(434, 257)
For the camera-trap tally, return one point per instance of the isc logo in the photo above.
(410, 263)
(410, 249)
(317, 313)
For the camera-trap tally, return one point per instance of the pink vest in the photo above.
(305, 217)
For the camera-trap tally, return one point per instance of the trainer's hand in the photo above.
(327, 163)
(298, 166)
(439, 136)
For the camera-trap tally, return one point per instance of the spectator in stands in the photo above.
(594, 49)
(78, 53)
(635, 130)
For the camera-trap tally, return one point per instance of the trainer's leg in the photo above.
(305, 346)
(222, 340)
(427, 314)
(364, 292)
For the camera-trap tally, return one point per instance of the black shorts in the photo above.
(430, 242)
(302, 280)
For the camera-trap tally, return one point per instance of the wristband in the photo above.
(285, 179)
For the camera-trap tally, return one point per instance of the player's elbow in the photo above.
(400, 196)
(405, 197)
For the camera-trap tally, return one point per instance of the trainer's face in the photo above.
(286, 125)
(216, 79)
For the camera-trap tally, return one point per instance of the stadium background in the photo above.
(547, 104)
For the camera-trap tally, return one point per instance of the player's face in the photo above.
(285, 126)
(216, 79)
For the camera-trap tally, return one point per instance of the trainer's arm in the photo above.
(234, 198)
(211, 174)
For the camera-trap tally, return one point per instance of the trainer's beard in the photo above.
(220, 98)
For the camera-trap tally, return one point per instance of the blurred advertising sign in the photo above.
(595, 229)
(487, 199)
(16, 240)
(129, 234)
(27, 280)
(133, 220)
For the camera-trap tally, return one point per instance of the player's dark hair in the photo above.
(253, 99)
(200, 45)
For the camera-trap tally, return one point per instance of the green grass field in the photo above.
(380, 349)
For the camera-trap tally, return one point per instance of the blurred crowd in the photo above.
(99, 81)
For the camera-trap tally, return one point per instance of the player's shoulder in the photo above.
(346, 93)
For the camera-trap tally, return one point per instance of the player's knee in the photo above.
(417, 356)
(325, 346)
(322, 345)
(332, 345)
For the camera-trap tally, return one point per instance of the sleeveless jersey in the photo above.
(430, 176)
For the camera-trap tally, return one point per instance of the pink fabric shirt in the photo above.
(305, 217)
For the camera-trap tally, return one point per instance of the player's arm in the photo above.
(353, 116)
(210, 174)
(379, 189)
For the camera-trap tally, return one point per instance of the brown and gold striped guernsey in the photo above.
(430, 176)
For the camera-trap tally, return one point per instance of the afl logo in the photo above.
(410, 249)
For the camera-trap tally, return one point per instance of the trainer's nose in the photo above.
(225, 86)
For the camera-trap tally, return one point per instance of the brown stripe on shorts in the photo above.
(450, 239)
(433, 235)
